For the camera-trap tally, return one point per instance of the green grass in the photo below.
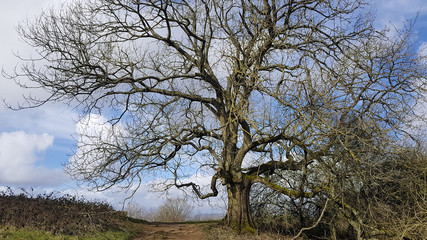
(32, 234)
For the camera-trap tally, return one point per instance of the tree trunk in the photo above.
(238, 213)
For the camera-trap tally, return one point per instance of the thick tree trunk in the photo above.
(238, 213)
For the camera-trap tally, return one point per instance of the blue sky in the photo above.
(34, 143)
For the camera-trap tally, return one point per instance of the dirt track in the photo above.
(171, 231)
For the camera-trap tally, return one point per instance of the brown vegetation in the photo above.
(218, 232)
(61, 215)
(387, 200)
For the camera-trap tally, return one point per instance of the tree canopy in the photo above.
(298, 96)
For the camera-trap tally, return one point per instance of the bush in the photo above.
(172, 210)
(384, 199)
(60, 215)
(133, 210)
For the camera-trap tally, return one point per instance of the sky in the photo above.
(35, 143)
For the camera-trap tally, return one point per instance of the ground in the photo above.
(171, 231)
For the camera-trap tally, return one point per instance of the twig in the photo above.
(315, 224)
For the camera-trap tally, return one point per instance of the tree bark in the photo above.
(238, 213)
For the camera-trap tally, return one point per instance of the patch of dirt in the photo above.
(169, 231)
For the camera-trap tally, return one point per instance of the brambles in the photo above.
(61, 215)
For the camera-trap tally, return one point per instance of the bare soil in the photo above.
(168, 231)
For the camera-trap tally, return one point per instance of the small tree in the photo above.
(174, 210)
(244, 90)
(135, 211)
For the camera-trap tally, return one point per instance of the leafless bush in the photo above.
(174, 210)
(63, 215)
(136, 211)
(386, 198)
(396, 196)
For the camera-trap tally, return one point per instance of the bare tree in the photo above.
(174, 210)
(247, 89)
(134, 210)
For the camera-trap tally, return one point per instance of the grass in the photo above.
(218, 232)
(34, 234)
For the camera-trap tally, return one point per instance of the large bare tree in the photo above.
(248, 89)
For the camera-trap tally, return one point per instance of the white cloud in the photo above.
(19, 154)
(56, 120)
(401, 6)
(395, 12)
(422, 51)
(12, 13)
(94, 135)
(95, 126)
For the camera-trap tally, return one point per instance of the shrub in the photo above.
(174, 210)
(61, 215)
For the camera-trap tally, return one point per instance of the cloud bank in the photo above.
(20, 154)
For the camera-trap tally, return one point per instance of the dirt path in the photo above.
(171, 231)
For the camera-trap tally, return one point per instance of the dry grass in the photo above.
(218, 232)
